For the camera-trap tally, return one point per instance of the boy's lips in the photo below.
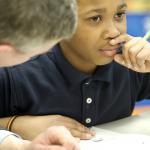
(109, 52)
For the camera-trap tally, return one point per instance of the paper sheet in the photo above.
(106, 139)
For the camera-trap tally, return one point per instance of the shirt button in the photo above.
(89, 100)
(87, 83)
(88, 120)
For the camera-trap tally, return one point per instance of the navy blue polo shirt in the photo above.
(48, 84)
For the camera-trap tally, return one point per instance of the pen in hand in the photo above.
(147, 35)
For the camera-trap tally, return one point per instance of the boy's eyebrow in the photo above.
(99, 10)
(123, 5)
(102, 10)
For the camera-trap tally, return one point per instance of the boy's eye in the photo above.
(120, 16)
(96, 19)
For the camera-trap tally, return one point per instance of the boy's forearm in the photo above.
(4, 122)
(17, 125)
(22, 125)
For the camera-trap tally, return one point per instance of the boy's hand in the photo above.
(136, 53)
(30, 126)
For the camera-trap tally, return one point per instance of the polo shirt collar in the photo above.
(73, 76)
(104, 73)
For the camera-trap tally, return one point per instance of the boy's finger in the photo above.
(73, 124)
(80, 127)
(121, 39)
(130, 52)
(81, 135)
(142, 57)
(135, 51)
(120, 59)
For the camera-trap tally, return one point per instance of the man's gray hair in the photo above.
(23, 22)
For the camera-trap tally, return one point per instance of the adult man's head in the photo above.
(30, 27)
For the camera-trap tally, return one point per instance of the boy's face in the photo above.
(99, 21)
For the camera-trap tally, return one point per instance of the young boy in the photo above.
(23, 35)
(83, 77)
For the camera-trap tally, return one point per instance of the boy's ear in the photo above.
(4, 48)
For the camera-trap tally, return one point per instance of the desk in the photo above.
(134, 124)
(111, 135)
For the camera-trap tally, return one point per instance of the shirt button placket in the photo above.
(88, 101)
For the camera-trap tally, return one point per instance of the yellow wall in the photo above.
(138, 5)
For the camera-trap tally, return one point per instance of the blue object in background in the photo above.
(143, 103)
(137, 25)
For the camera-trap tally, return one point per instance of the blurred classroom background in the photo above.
(138, 24)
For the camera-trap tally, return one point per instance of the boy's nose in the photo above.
(111, 31)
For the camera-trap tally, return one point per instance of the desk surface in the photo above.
(134, 124)
(108, 135)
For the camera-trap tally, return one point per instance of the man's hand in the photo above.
(31, 126)
(136, 53)
(54, 138)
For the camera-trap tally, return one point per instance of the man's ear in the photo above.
(4, 48)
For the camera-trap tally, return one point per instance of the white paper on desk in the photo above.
(106, 140)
